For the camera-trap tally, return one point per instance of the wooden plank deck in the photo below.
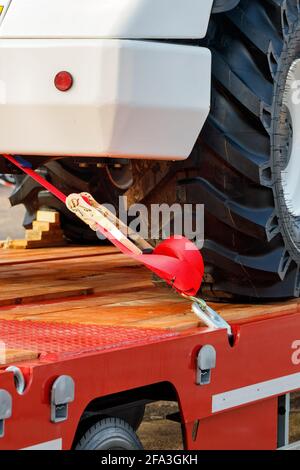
(98, 286)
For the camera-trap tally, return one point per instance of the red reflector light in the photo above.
(63, 81)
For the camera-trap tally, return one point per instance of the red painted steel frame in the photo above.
(263, 351)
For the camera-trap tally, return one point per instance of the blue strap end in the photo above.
(23, 162)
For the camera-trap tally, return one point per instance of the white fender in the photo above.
(127, 19)
(136, 99)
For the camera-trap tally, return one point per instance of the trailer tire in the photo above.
(110, 434)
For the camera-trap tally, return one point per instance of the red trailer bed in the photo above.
(94, 316)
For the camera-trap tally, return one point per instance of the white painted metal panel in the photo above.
(141, 19)
(135, 99)
(4, 4)
(252, 393)
(56, 444)
(293, 446)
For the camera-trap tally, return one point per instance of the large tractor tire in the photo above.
(244, 167)
(249, 172)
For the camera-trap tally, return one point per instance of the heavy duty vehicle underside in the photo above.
(244, 166)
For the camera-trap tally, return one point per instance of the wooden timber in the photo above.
(99, 286)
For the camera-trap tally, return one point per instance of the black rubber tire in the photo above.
(250, 249)
(110, 434)
(69, 178)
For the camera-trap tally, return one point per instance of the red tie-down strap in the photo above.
(176, 260)
(26, 168)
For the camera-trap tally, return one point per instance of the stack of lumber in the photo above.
(45, 232)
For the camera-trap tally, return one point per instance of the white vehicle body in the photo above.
(107, 19)
(132, 97)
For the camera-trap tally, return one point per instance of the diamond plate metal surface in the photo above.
(68, 339)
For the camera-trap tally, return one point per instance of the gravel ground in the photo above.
(10, 217)
(156, 433)
(295, 418)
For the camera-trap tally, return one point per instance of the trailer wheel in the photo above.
(110, 434)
